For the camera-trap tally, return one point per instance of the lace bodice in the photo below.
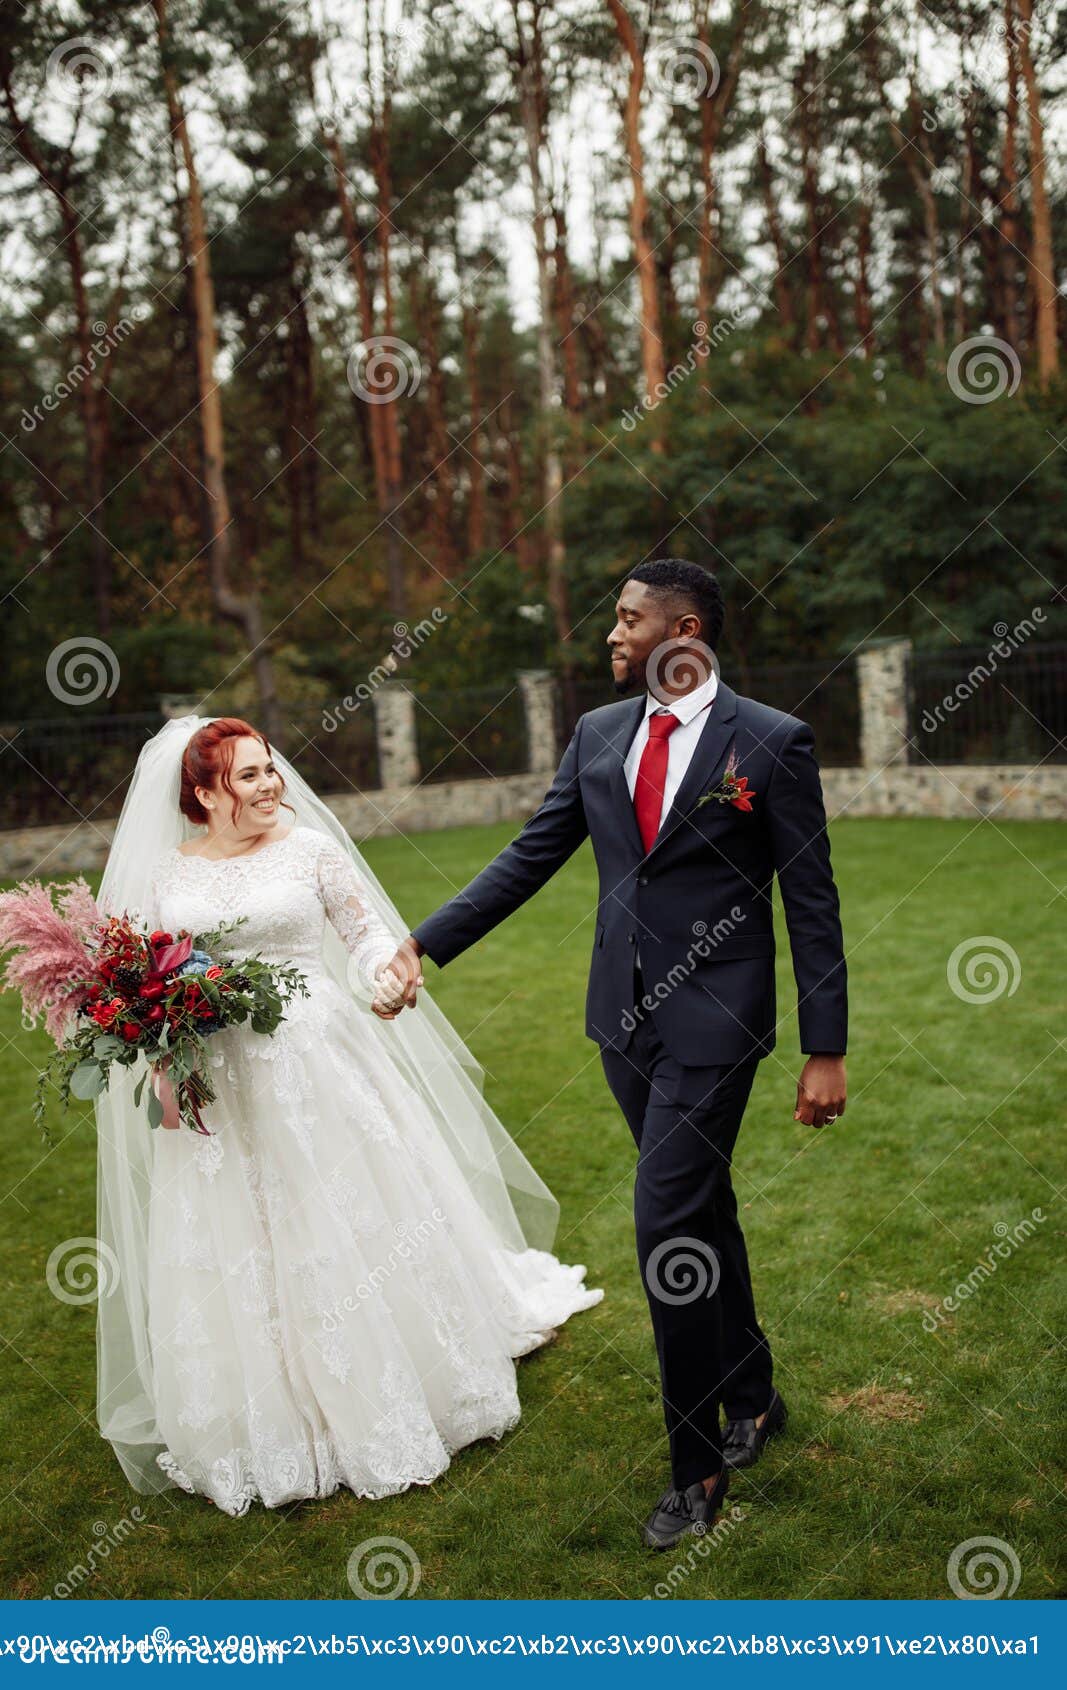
(285, 892)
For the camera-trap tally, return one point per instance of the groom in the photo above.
(694, 799)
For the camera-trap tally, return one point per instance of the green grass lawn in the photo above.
(902, 1442)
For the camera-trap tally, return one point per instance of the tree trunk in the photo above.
(919, 166)
(241, 609)
(864, 311)
(475, 442)
(966, 224)
(514, 534)
(565, 312)
(783, 293)
(357, 263)
(532, 102)
(821, 312)
(90, 392)
(1010, 223)
(380, 144)
(922, 174)
(652, 361)
(441, 446)
(988, 238)
(1042, 259)
(715, 105)
(666, 254)
(299, 456)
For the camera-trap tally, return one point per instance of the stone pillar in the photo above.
(538, 688)
(394, 721)
(882, 675)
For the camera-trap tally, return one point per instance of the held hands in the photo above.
(821, 1091)
(398, 982)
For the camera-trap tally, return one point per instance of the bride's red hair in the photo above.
(208, 758)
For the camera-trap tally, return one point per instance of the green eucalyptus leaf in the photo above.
(87, 1081)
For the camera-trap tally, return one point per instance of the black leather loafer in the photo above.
(679, 1512)
(743, 1440)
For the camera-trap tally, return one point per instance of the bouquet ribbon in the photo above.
(164, 1090)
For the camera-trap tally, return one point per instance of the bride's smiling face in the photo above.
(252, 803)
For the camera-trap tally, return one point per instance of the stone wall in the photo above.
(962, 790)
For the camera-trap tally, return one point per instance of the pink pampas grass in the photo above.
(49, 944)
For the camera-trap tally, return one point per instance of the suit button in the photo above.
(642, 880)
(629, 938)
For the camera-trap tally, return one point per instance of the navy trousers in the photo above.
(690, 1247)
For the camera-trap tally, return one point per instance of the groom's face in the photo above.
(643, 621)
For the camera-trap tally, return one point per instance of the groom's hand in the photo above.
(821, 1091)
(406, 968)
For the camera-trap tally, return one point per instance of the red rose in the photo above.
(159, 937)
(212, 973)
(152, 990)
(130, 1031)
(155, 1015)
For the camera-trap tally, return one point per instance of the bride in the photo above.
(331, 1288)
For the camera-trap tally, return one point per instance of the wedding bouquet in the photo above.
(111, 994)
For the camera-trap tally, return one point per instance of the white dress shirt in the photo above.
(692, 713)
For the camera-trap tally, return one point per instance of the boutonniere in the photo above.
(732, 789)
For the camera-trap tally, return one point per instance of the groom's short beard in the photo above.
(626, 683)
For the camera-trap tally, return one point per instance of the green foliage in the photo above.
(839, 496)
(875, 508)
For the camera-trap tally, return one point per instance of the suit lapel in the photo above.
(619, 744)
(709, 754)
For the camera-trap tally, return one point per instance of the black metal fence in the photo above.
(70, 768)
(336, 750)
(966, 706)
(78, 767)
(812, 689)
(974, 705)
(824, 695)
(471, 731)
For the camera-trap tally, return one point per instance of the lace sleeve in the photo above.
(366, 937)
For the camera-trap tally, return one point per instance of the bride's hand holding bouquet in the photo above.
(111, 994)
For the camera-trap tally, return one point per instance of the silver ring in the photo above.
(831, 1117)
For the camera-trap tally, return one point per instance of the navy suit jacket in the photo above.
(697, 906)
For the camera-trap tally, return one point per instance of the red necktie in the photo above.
(652, 775)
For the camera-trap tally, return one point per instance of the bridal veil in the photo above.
(429, 1053)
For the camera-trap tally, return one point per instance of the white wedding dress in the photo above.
(327, 1302)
